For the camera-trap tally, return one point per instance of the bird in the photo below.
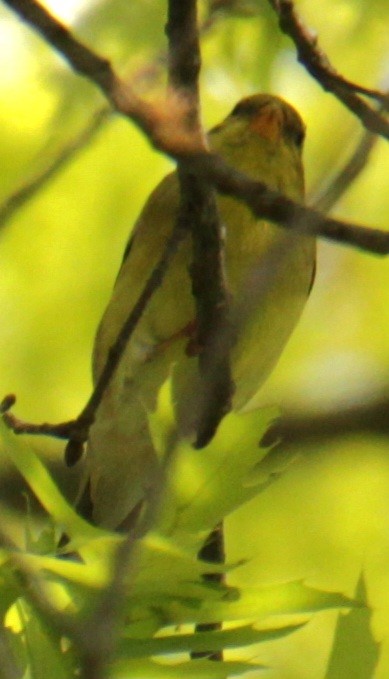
(269, 274)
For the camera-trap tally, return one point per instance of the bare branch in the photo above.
(101, 629)
(184, 59)
(327, 196)
(208, 168)
(269, 204)
(77, 431)
(29, 189)
(319, 66)
(199, 210)
(213, 551)
(175, 140)
(369, 418)
(162, 124)
(146, 73)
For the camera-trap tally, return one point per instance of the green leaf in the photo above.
(45, 656)
(204, 486)
(9, 588)
(196, 669)
(39, 480)
(202, 641)
(355, 652)
(254, 603)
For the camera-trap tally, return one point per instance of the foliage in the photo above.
(167, 593)
(292, 545)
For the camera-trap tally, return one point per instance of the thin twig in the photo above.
(77, 431)
(168, 133)
(30, 187)
(318, 65)
(264, 202)
(328, 195)
(162, 124)
(101, 629)
(94, 635)
(87, 416)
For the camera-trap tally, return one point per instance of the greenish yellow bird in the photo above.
(269, 273)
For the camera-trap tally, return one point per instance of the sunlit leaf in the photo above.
(204, 641)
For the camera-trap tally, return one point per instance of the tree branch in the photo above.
(77, 431)
(266, 203)
(28, 189)
(370, 418)
(199, 210)
(162, 124)
(318, 65)
(328, 195)
(208, 169)
(165, 133)
(148, 73)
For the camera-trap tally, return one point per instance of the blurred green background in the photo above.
(327, 518)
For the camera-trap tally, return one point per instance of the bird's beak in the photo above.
(268, 123)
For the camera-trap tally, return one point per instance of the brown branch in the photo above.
(318, 65)
(213, 552)
(184, 60)
(162, 124)
(173, 138)
(199, 210)
(77, 431)
(266, 203)
(149, 72)
(214, 331)
(368, 418)
(101, 629)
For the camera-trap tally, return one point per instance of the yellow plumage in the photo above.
(269, 273)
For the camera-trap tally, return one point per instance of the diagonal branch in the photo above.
(77, 431)
(269, 204)
(208, 168)
(163, 125)
(318, 65)
(328, 195)
(166, 132)
(147, 73)
(28, 189)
